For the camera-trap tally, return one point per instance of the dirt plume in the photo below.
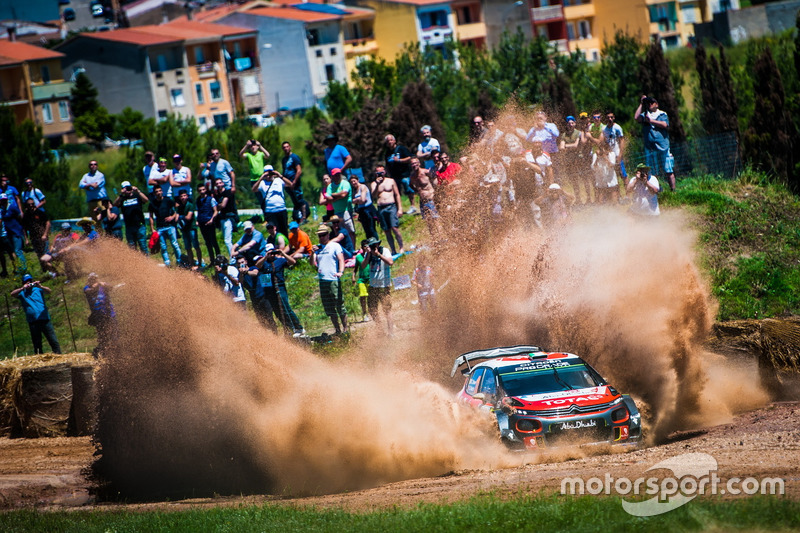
(199, 399)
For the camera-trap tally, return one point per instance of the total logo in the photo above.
(591, 397)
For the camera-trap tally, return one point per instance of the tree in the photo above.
(415, 109)
(767, 141)
(83, 97)
(130, 124)
(558, 96)
(340, 101)
(719, 109)
(656, 81)
(91, 119)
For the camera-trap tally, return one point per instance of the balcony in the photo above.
(561, 45)
(49, 91)
(207, 70)
(467, 32)
(360, 46)
(547, 14)
(581, 11)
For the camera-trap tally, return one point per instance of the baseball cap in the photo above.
(125, 184)
(584, 114)
(3, 197)
(336, 171)
(268, 168)
(162, 159)
(27, 277)
(570, 117)
(293, 225)
(66, 225)
(269, 247)
(372, 240)
(247, 225)
(177, 156)
(642, 166)
(555, 187)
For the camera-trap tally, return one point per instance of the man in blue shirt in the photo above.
(336, 155)
(94, 183)
(292, 170)
(12, 223)
(251, 244)
(102, 315)
(31, 296)
(218, 168)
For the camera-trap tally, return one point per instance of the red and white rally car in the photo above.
(545, 399)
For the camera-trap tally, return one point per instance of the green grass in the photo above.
(483, 513)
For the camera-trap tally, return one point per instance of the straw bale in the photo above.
(11, 374)
(780, 344)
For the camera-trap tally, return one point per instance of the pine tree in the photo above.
(558, 101)
(767, 141)
(91, 119)
(415, 109)
(656, 81)
(708, 82)
(83, 98)
(728, 103)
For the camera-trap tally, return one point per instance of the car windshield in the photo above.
(548, 377)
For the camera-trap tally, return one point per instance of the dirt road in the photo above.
(49, 473)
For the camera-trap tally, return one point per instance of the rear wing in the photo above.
(490, 354)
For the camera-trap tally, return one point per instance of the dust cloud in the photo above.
(200, 399)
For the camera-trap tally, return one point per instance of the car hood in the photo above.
(581, 397)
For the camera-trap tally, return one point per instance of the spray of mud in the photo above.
(622, 292)
(200, 399)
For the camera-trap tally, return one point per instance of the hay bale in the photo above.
(11, 375)
(780, 344)
(43, 400)
(84, 400)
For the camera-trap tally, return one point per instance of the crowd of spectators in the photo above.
(509, 171)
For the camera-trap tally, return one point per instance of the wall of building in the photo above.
(395, 25)
(327, 56)
(286, 80)
(118, 71)
(500, 15)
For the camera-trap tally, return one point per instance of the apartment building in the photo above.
(32, 85)
(187, 68)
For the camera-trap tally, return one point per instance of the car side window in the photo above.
(472, 386)
(489, 385)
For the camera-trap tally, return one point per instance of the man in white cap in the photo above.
(251, 243)
(555, 204)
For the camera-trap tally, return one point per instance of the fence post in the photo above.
(10, 325)
(69, 321)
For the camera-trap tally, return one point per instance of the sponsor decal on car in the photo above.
(567, 396)
(578, 424)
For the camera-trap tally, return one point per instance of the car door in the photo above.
(471, 388)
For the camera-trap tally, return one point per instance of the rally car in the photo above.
(544, 399)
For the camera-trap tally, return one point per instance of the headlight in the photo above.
(618, 415)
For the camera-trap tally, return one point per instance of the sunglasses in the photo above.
(595, 116)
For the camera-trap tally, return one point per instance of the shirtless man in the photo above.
(386, 196)
(424, 184)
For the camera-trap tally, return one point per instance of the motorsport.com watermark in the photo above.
(693, 474)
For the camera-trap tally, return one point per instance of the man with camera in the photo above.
(644, 189)
(270, 188)
(31, 296)
(131, 202)
(218, 168)
(655, 126)
(379, 293)
(271, 268)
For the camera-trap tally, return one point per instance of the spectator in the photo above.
(36, 222)
(447, 171)
(256, 286)
(94, 183)
(361, 278)
(426, 147)
(227, 212)
(299, 242)
(594, 131)
(107, 215)
(6, 248)
(424, 184)
(149, 166)
(605, 175)
(293, 169)
(62, 242)
(342, 237)
(161, 176)
(256, 156)
(271, 267)
(186, 223)
(555, 205)
(655, 134)
(341, 195)
(323, 198)
(164, 220)
(15, 233)
(131, 203)
(380, 282)
(181, 179)
(477, 130)
(544, 132)
(227, 277)
(32, 192)
(277, 239)
(398, 165)
(10, 191)
(644, 189)
(422, 279)
(218, 168)
(362, 203)
(251, 243)
(270, 187)
(328, 259)
(207, 217)
(390, 208)
(615, 139)
(569, 147)
(336, 155)
(102, 315)
(31, 296)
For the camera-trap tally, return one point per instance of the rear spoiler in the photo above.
(490, 354)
